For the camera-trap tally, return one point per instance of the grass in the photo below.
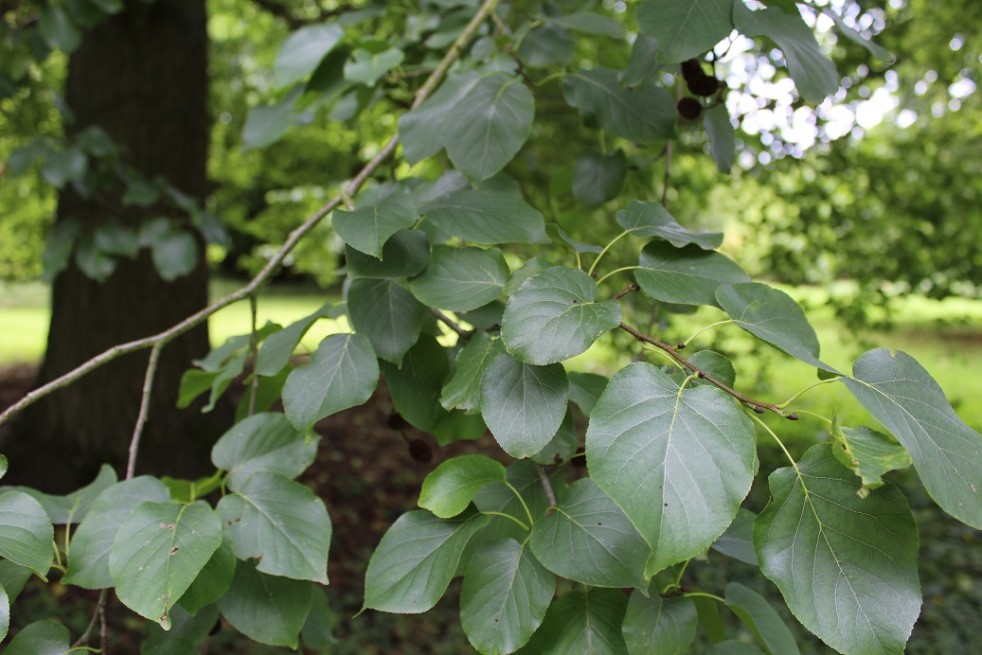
(945, 336)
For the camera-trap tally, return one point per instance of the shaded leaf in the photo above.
(461, 279)
(738, 540)
(562, 446)
(463, 389)
(405, 254)
(553, 316)
(546, 45)
(368, 228)
(158, 552)
(421, 131)
(366, 67)
(588, 539)
(585, 389)
(847, 567)
(586, 623)
(26, 533)
(278, 348)
(645, 113)
(415, 561)
(688, 275)
(72, 508)
(303, 51)
(761, 619)
(598, 178)
(504, 598)
(266, 608)
(186, 633)
(212, 582)
(487, 217)
(40, 638)
(772, 315)
(677, 461)
(685, 29)
(387, 314)
(659, 626)
(650, 219)
(342, 373)
(722, 138)
(523, 404)
(714, 365)
(263, 443)
(947, 453)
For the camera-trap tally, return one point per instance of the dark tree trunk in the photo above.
(141, 76)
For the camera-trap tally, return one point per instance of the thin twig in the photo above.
(253, 353)
(450, 323)
(631, 288)
(667, 178)
(757, 405)
(141, 418)
(298, 233)
(547, 487)
(98, 615)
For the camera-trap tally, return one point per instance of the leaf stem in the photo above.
(521, 500)
(509, 517)
(815, 415)
(593, 267)
(673, 353)
(703, 594)
(806, 390)
(780, 443)
(618, 270)
(704, 328)
(98, 615)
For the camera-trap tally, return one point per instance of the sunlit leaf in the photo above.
(868, 453)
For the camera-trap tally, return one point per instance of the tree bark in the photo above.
(142, 76)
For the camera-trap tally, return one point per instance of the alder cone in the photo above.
(689, 108)
(704, 86)
(420, 450)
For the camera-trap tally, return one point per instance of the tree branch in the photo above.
(163, 338)
(758, 406)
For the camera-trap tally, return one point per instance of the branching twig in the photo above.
(631, 288)
(141, 418)
(450, 323)
(163, 338)
(547, 487)
(98, 615)
(757, 405)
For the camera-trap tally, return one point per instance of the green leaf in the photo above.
(158, 552)
(585, 389)
(318, 630)
(504, 598)
(523, 476)
(847, 567)
(4, 465)
(488, 126)
(685, 29)
(650, 219)
(95, 264)
(946, 452)
(563, 444)
(58, 30)
(387, 314)
(589, 22)
(588, 539)
(450, 488)
(278, 348)
(342, 373)
(405, 254)
(722, 138)
(366, 67)
(281, 523)
(175, 254)
(813, 73)
(368, 228)
(422, 131)
(212, 582)
(677, 461)
(715, 365)
(461, 279)
(266, 124)
(13, 577)
(546, 45)
(522, 404)
(303, 51)
(186, 633)
(263, 443)
(868, 454)
(266, 608)
(772, 315)
(734, 647)
(4, 613)
(458, 426)
(88, 566)
(645, 113)
(585, 623)
(463, 389)
(598, 178)
(738, 540)
(710, 621)
(553, 316)
(61, 167)
(415, 561)
(26, 533)
(415, 387)
(874, 49)
(687, 276)
(659, 626)
(643, 63)
(117, 240)
(40, 638)
(761, 619)
(487, 217)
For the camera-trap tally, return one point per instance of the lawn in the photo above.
(945, 336)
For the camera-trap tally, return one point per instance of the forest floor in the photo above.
(368, 477)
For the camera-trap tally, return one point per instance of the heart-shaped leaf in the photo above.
(504, 598)
(303, 50)
(687, 275)
(659, 626)
(266, 608)
(415, 561)
(405, 254)
(279, 347)
(685, 29)
(422, 131)
(588, 539)
(947, 453)
(553, 316)
(846, 566)
(450, 488)
(263, 443)
(644, 113)
(368, 228)
(772, 315)
(463, 389)
(387, 314)
(342, 373)
(523, 404)
(677, 461)
(763, 620)
(158, 552)
(40, 638)
(461, 279)
(587, 623)
(26, 532)
(487, 217)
